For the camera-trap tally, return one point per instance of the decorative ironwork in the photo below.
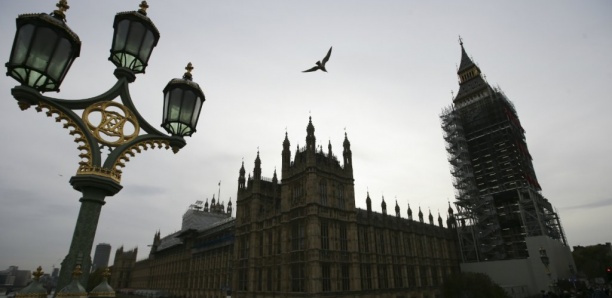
(112, 124)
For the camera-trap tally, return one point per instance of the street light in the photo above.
(42, 53)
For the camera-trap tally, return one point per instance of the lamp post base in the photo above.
(94, 189)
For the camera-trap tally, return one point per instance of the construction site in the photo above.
(498, 197)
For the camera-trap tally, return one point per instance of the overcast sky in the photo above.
(391, 72)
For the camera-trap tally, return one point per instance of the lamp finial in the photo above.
(143, 7)
(189, 68)
(59, 13)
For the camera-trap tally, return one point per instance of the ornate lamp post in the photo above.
(43, 51)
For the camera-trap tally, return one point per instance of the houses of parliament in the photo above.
(297, 236)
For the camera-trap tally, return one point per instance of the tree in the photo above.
(471, 285)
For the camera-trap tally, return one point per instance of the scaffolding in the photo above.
(497, 194)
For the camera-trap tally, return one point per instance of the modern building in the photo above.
(300, 236)
(13, 278)
(501, 212)
(101, 256)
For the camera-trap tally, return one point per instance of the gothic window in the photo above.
(383, 282)
(259, 279)
(434, 276)
(269, 279)
(325, 280)
(381, 242)
(245, 248)
(343, 238)
(411, 276)
(407, 245)
(423, 276)
(340, 194)
(269, 242)
(364, 244)
(366, 277)
(243, 274)
(261, 244)
(297, 277)
(297, 235)
(398, 280)
(323, 192)
(324, 236)
(345, 278)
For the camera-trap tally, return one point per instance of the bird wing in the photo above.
(327, 56)
(312, 69)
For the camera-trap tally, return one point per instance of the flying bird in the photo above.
(321, 64)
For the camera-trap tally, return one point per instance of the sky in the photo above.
(391, 72)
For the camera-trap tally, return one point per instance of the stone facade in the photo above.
(301, 236)
(304, 237)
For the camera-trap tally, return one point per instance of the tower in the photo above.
(498, 197)
(295, 227)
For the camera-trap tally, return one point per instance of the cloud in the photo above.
(596, 204)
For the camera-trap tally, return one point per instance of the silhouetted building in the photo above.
(122, 267)
(14, 278)
(101, 256)
(301, 236)
(501, 213)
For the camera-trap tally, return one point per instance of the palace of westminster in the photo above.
(301, 235)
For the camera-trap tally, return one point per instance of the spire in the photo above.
(397, 209)
(286, 141)
(275, 178)
(466, 61)
(431, 220)
(257, 170)
(450, 209)
(206, 205)
(329, 149)
(470, 80)
(369, 203)
(229, 207)
(420, 214)
(348, 159)
(409, 212)
(310, 138)
(241, 179)
(286, 162)
(383, 205)
(440, 220)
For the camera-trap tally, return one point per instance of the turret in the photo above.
(431, 220)
(420, 214)
(347, 154)
(383, 205)
(206, 205)
(409, 212)
(241, 179)
(257, 169)
(397, 209)
(229, 207)
(286, 156)
(310, 137)
(440, 220)
(369, 203)
(156, 243)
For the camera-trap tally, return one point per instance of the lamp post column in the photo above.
(94, 189)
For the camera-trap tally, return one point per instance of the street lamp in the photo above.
(42, 53)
